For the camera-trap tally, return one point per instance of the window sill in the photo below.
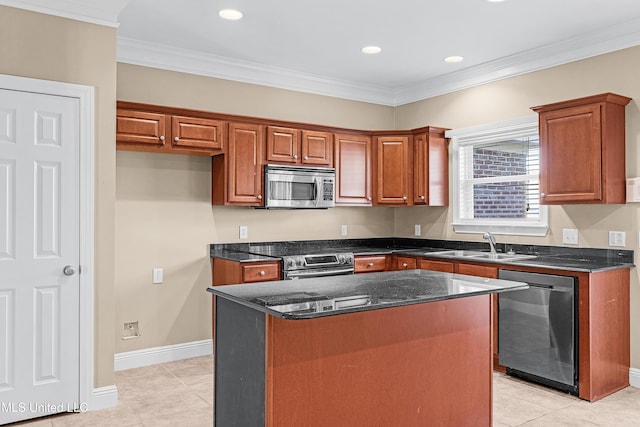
(512, 230)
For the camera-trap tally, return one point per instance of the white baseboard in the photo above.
(104, 397)
(634, 377)
(155, 355)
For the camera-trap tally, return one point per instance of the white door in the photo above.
(39, 255)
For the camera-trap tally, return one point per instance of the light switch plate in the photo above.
(243, 231)
(158, 276)
(570, 236)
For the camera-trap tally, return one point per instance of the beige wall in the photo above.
(50, 48)
(164, 216)
(616, 72)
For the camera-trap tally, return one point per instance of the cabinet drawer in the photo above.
(405, 263)
(477, 270)
(369, 264)
(429, 264)
(260, 272)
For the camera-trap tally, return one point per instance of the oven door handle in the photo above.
(291, 274)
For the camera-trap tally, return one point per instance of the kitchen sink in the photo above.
(479, 255)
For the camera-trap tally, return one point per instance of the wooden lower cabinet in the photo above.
(226, 272)
(371, 263)
(603, 322)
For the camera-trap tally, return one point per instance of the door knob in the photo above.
(69, 270)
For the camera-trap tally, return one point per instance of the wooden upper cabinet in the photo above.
(317, 148)
(141, 128)
(193, 132)
(353, 170)
(282, 144)
(237, 176)
(393, 171)
(299, 147)
(582, 150)
(161, 131)
(431, 167)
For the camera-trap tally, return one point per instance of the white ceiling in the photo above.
(314, 46)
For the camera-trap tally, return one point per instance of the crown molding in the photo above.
(136, 52)
(93, 11)
(593, 44)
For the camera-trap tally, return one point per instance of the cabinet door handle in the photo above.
(161, 137)
(368, 199)
(542, 194)
(405, 265)
(404, 198)
(295, 156)
(259, 197)
(370, 264)
(421, 197)
(306, 157)
(176, 139)
(262, 273)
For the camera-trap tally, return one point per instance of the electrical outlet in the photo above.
(343, 229)
(243, 231)
(157, 276)
(617, 238)
(570, 236)
(417, 230)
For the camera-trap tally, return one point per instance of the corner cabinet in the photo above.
(393, 171)
(236, 177)
(353, 170)
(430, 167)
(582, 150)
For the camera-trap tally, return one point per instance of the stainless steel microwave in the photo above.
(299, 187)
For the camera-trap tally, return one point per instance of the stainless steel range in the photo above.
(321, 265)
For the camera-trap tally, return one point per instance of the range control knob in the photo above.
(292, 263)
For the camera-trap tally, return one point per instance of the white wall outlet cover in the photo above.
(617, 238)
(417, 229)
(243, 231)
(570, 236)
(343, 229)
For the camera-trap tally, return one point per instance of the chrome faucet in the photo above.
(492, 241)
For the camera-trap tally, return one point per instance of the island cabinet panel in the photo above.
(370, 264)
(353, 170)
(402, 366)
(393, 171)
(582, 150)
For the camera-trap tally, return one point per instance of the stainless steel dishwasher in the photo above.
(537, 334)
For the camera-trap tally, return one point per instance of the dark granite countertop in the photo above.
(329, 296)
(550, 257)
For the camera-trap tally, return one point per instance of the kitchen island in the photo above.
(394, 348)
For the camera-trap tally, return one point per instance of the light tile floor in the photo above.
(181, 394)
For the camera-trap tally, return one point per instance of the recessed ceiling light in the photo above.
(371, 50)
(230, 14)
(453, 59)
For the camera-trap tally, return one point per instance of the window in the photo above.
(496, 179)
